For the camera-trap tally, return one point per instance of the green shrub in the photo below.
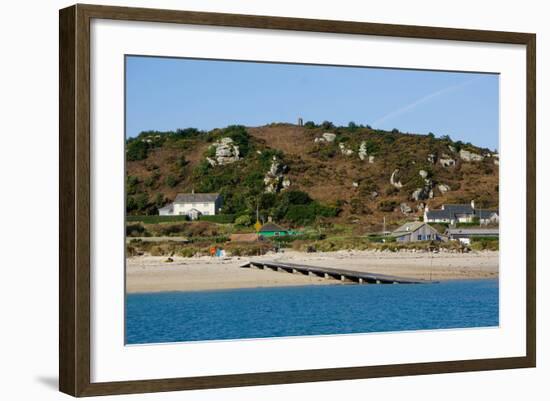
(243, 220)
(135, 230)
(171, 181)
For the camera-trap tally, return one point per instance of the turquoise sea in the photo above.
(309, 310)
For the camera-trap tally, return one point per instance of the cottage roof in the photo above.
(408, 228)
(196, 198)
(439, 214)
(271, 227)
(458, 209)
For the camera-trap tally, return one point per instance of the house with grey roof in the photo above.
(193, 205)
(460, 213)
(465, 235)
(416, 231)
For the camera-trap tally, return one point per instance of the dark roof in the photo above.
(196, 198)
(439, 214)
(271, 227)
(458, 209)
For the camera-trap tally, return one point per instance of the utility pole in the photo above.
(384, 227)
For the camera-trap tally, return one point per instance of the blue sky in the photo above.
(168, 93)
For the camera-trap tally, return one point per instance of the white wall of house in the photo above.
(206, 208)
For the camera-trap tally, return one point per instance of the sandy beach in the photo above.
(153, 274)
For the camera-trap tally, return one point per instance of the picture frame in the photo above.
(76, 201)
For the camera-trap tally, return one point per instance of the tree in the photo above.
(327, 125)
(310, 124)
(352, 126)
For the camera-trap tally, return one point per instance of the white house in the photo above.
(193, 205)
(462, 213)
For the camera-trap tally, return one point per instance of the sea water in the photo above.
(309, 310)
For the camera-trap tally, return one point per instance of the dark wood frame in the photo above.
(74, 202)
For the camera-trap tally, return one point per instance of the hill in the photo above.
(301, 175)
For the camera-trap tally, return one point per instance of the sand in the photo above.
(153, 274)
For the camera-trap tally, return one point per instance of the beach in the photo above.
(154, 274)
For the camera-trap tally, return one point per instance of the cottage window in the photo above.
(420, 237)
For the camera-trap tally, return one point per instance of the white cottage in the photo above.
(193, 205)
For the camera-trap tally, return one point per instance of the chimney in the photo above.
(300, 121)
(473, 204)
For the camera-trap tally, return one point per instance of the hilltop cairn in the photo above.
(468, 156)
(363, 153)
(394, 180)
(274, 179)
(226, 152)
(426, 192)
(326, 137)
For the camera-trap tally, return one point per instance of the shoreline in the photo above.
(335, 283)
(151, 274)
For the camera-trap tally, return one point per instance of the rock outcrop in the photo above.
(422, 194)
(345, 151)
(443, 188)
(274, 179)
(326, 137)
(362, 151)
(468, 156)
(394, 179)
(226, 152)
(405, 208)
(431, 158)
(447, 161)
(426, 192)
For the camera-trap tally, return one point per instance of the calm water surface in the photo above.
(309, 310)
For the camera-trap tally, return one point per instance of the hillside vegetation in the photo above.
(302, 176)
